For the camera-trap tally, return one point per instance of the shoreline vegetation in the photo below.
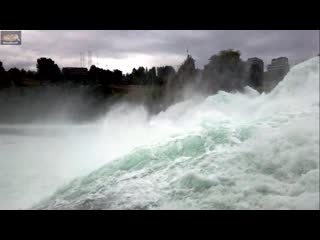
(156, 88)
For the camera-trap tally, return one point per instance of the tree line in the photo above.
(225, 71)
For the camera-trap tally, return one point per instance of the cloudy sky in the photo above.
(126, 49)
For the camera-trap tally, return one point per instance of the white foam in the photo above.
(228, 151)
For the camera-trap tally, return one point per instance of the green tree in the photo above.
(48, 70)
(225, 71)
(3, 77)
(15, 75)
(165, 74)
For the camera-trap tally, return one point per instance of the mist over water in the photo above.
(55, 105)
(226, 151)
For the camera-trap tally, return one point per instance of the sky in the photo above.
(126, 49)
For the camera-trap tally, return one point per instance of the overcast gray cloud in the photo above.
(127, 49)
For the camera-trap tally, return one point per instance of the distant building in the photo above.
(186, 72)
(255, 72)
(276, 71)
(188, 66)
(255, 61)
(279, 65)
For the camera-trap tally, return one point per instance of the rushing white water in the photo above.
(228, 151)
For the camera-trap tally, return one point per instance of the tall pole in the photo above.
(81, 59)
(89, 59)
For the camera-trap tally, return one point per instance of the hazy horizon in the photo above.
(125, 50)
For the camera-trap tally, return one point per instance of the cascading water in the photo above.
(228, 151)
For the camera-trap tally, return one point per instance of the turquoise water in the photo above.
(228, 151)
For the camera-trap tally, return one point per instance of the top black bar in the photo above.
(160, 15)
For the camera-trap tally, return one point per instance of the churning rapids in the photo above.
(227, 151)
